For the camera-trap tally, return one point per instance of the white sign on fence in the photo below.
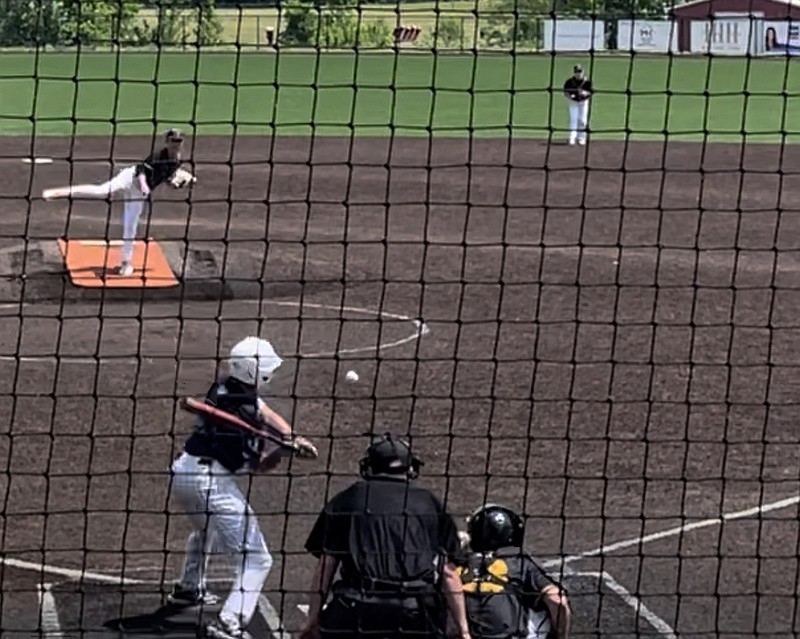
(658, 36)
(574, 35)
(781, 37)
(725, 36)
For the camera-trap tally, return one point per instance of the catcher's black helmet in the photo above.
(493, 526)
(389, 457)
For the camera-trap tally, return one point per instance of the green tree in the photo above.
(179, 22)
(94, 22)
(334, 26)
(207, 28)
(299, 22)
(511, 23)
(34, 23)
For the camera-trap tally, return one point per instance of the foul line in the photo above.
(69, 573)
(272, 618)
(672, 532)
(661, 626)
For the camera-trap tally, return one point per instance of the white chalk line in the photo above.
(48, 612)
(420, 329)
(272, 618)
(672, 532)
(639, 609)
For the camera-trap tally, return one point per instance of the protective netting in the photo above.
(602, 337)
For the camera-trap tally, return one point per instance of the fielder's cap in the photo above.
(175, 135)
(577, 69)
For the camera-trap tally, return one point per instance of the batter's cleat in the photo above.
(582, 142)
(221, 629)
(125, 269)
(181, 596)
(50, 194)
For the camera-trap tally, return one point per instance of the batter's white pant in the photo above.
(222, 520)
(126, 184)
(578, 120)
(539, 625)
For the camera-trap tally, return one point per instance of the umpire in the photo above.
(395, 547)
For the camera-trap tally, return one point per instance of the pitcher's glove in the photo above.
(181, 179)
(304, 449)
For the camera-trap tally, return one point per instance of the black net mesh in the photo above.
(603, 337)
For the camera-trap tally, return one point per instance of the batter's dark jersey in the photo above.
(231, 447)
(499, 589)
(573, 86)
(385, 530)
(157, 168)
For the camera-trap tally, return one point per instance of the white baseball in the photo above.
(351, 376)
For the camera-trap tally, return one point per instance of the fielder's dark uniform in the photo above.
(503, 593)
(158, 167)
(391, 539)
(578, 89)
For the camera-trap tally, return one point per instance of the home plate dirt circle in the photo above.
(354, 330)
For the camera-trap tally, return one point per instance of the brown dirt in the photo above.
(613, 348)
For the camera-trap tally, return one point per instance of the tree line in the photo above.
(63, 23)
(312, 23)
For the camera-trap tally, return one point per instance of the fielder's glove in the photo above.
(304, 449)
(181, 179)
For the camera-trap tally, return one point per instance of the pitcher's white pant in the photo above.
(578, 120)
(221, 518)
(126, 184)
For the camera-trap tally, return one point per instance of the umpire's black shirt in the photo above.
(157, 168)
(384, 530)
(573, 86)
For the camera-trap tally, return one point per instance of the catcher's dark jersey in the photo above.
(229, 446)
(157, 168)
(385, 530)
(499, 590)
(573, 87)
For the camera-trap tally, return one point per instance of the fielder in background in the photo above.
(134, 184)
(204, 484)
(578, 90)
(394, 544)
(507, 594)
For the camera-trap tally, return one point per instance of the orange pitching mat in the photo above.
(93, 263)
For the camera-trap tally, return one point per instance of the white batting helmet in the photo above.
(253, 361)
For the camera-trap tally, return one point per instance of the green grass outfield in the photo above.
(409, 93)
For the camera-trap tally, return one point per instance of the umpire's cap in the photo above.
(174, 135)
(577, 69)
(389, 457)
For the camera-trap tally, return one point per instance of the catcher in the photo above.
(507, 594)
(204, 484)
(134, 184)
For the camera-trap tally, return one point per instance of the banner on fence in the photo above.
(726, 36)
(780, 38)
(658, 36)
(574, 35)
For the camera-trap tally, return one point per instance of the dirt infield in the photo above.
(605, 337)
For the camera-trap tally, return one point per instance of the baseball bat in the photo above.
(201, 408)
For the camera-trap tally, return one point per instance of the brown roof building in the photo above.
(684, 14)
